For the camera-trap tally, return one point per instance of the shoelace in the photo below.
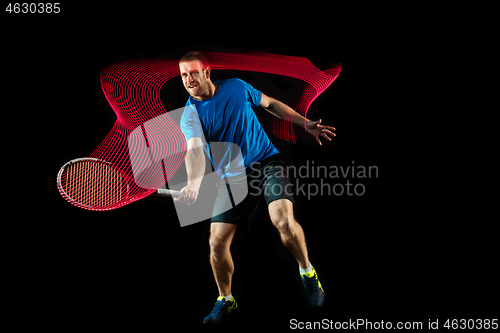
(218, 306)
(311, 284)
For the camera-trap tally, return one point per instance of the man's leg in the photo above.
(221, 236)
(292, 235)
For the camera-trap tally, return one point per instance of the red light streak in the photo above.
(132, 89)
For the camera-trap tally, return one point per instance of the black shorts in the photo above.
(239, 196)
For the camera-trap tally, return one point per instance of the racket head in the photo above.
(93, 184)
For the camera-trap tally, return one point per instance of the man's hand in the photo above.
(283, 111)
(189, 194)
(315, 129)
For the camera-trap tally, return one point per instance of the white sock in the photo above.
(306, 270)
(229, 298)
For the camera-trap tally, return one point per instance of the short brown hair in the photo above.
(193, 56)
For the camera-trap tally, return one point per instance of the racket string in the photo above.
(94, 184)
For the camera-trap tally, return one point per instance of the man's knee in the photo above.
(221, 236)
(281, 213)
(284, 222)
(218, 246)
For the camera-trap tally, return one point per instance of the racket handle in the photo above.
(168, 193)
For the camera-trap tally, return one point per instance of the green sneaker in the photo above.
(220, 311)
(314, 292)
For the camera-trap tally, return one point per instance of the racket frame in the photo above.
(159, 192)
(71, 200)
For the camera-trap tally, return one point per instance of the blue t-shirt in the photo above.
(228, 124)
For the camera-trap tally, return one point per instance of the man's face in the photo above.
(195, 78)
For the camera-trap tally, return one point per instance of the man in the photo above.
(223, 113)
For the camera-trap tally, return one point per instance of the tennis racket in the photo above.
(96, 184)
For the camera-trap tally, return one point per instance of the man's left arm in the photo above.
(283, 111)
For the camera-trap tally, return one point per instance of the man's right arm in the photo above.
(195, 168)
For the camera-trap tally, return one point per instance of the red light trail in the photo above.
(132, 89)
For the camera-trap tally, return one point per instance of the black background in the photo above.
(400, 252)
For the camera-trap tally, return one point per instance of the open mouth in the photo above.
(192, 86)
